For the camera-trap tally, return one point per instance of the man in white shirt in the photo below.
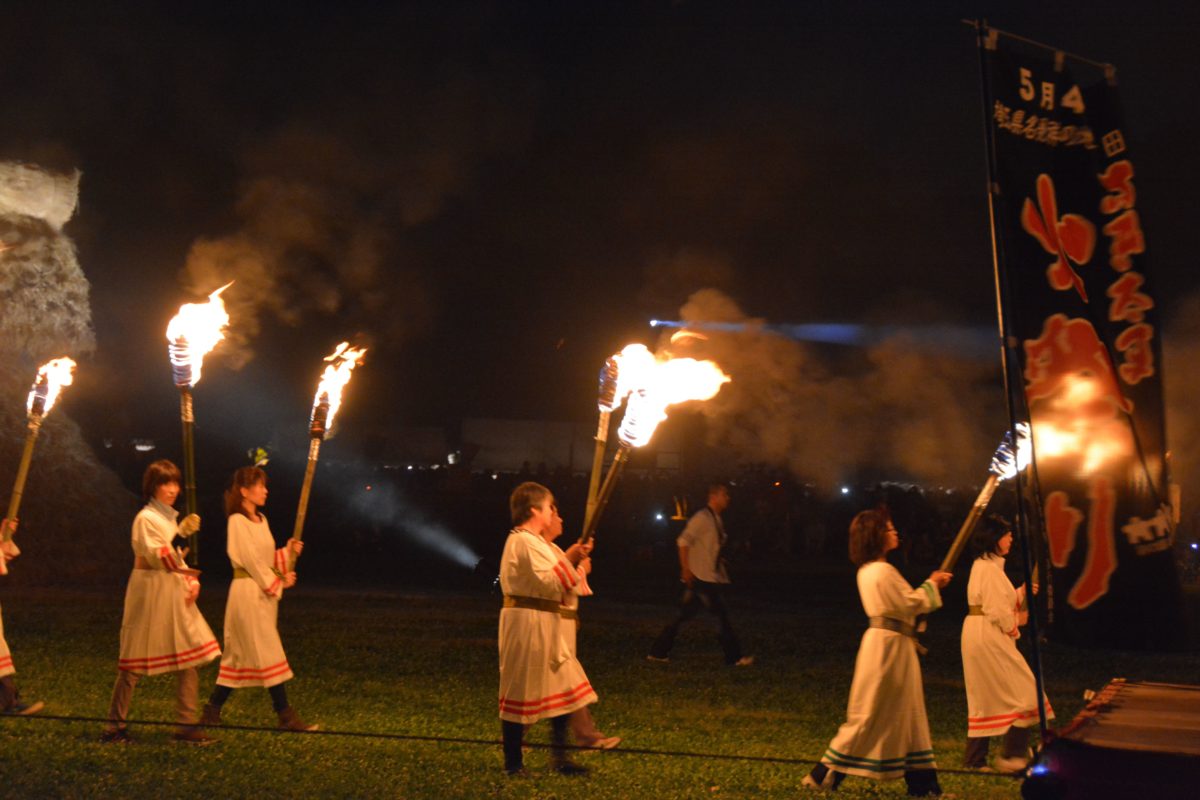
(702, 571)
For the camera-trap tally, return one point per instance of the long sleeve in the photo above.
(885, 593)
(251, 547)
(997, 596)
(531, 567)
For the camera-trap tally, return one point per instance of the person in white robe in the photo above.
(1001, 691)
(10, 698)
(583, 726)
(253, 650)
(162, 631)
(886, 732)
(540, 678)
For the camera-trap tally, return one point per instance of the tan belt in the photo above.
(141, 563)
(535, 603)
(974, 611)
(238, 572)
(895, 625)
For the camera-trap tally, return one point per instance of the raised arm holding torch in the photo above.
(191, 335)
(326, 403)
(51, 378)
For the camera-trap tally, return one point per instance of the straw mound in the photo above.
(75, 515)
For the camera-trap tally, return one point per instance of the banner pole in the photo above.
(986, 38)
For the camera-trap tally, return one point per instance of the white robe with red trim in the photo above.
(539, 674)
(253, 651)
(1001, 691)
(8, 550)
(162, 630)
(886, 731)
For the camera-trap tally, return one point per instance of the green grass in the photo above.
(426, 665)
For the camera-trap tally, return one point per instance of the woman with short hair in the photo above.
(161, 630)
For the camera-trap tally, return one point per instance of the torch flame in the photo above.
(661, 384)
(193, 333)
(51, 378)
(342, 362)
(1007, 461)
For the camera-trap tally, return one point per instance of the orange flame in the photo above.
(51, 378)
(1080, 424)
(654, 385)
(342, 362)
(193, 333)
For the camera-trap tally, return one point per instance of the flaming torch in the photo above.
(635, 360)
(657, 385)
(191, 335)
(1008, 460)
(51, 378)
(325, 406)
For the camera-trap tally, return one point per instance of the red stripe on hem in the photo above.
(245, 678)
(232, 671)
(177, 658)
(551, 701)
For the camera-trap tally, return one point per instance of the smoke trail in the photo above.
(900, 410)
(384, 505)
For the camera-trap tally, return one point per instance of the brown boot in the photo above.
(210, 716)
(289, 720)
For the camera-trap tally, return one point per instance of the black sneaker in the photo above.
(570, 768)
(116, 736)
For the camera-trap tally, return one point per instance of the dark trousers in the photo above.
(514, 733)
(701, 596)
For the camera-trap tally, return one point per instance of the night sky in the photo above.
(497, 195)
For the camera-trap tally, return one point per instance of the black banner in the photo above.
(1084, 334)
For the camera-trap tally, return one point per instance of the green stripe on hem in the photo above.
(915, 756)
(934, 601)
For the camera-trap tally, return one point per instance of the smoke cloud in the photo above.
(894, 411)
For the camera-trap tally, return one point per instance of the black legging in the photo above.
(278, 694)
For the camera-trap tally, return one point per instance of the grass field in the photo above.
(424, 664)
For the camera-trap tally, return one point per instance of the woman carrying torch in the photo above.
(540, 678)
(1001, 692)
(10, 701)
(886, 732)
(162, 630)
(253, 651)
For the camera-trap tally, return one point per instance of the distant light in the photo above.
(143, 445)
(495, 476)
(368, 487)
(409, 466)
(452, 458)
(777, 483)
(654, 323)
(658, 517)
(436, 466)
(845, 490)
(1039, 770)
(1195, 546)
